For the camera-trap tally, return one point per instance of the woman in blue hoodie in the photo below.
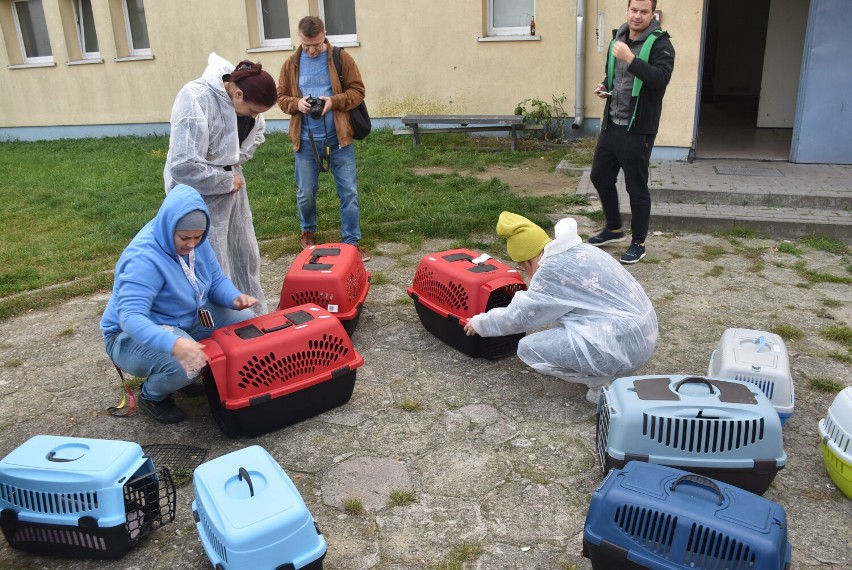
(169, 292)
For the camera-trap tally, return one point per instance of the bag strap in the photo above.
(335, 54)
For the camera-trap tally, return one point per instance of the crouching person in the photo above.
(169, 292)
(601, 323)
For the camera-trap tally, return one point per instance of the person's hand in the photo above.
(190, 355)
(622, 52)
(469, 330)
(327, 107)
(244, 301)
(303, 105)
(238, 183)
(600, 91)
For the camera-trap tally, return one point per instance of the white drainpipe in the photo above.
(580, 69)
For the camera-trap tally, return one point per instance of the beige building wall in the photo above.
(416, 57)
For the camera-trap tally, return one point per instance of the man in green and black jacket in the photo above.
(638, 68)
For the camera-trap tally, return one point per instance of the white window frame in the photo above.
(493, 30)
(44, 59)
(341, 39)
(82, 33)
(283, 43)
(134, 52)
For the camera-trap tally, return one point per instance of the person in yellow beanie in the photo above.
(601, 323)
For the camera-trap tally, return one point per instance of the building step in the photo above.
(780, 211)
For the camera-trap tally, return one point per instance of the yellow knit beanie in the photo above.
(524, 239)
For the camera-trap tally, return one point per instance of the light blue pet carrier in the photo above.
(724, 429)
(249, 515)
(87, 498)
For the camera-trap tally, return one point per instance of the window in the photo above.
(510, 17)
(85, 21)
(137, 28)
(32, 31)
(339, 18)
(274, 23)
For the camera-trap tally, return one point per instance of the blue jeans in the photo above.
(345, 177)
(162, 371)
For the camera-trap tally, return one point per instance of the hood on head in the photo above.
(180, 201)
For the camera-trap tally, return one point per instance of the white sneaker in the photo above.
(593, 395)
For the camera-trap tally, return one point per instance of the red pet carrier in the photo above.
(331, 276)
(452, 286)
(278, 369)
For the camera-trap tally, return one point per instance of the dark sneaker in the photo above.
(363, 253)
(307, 239)
(164, 411)
(633, 254)
(193, 390)
(606, 236)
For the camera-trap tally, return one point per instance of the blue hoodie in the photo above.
(150, 287)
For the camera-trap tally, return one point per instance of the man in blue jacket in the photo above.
(639, 65)
(169, 292)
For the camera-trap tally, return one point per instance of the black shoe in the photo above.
(193, 390)
(633, 254)
(164, 411)
(606, 236)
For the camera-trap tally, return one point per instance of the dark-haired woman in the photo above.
(216, 127)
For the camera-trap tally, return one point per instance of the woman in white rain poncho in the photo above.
(604, 325)
(216, 127)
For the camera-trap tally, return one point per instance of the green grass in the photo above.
(459, 554)
(825, 385)
(353, 506)
(840, 333)
(825, 244)
(786, 247)
(789, 332)
(69, 207)
(410, 406)
(400, 498)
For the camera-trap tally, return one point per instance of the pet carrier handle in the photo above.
(695, 380)
(52, 457)
(699, 480)
(313, 265)
(243, 474)
(760, 342)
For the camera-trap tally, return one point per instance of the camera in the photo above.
(316, 105)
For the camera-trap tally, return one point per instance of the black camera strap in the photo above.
(324, 160)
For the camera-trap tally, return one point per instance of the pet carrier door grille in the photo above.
(602, 431)
(649, 528)
(702, 435)
(267, 370)
(711, 549)
(503, 296)
(450, 295)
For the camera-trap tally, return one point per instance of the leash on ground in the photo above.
(127, 398)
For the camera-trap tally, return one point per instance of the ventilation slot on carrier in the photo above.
(264, 371)
(648, 528)
(766, 386)
(50, 503)
(602, 432)
(211, 534)
(449, 295)
(711, 549)
(702, 435)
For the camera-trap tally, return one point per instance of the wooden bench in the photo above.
(465, 124)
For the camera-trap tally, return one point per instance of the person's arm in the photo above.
(189, 141)
(137, 288)
(354, 93)
(288, 94)
(657, 71)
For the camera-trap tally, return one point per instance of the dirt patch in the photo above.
(532, 177)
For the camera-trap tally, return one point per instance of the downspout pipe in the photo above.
(580, 69)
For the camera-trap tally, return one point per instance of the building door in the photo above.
(823, 123)
(747, 102)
